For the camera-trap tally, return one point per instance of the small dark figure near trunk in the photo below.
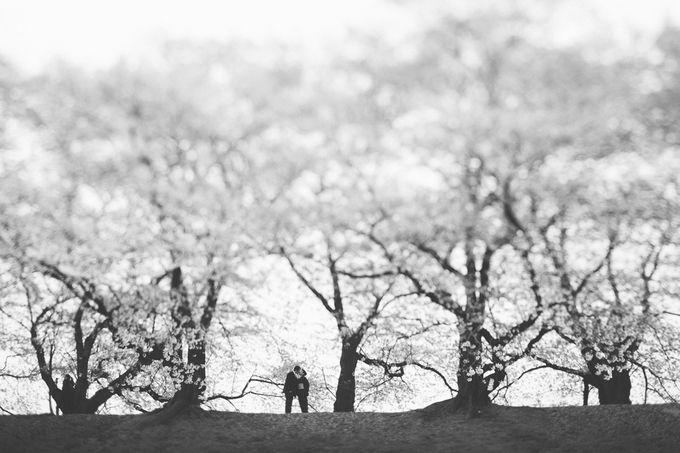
(296, 385)
(68, 395)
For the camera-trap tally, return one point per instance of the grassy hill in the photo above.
(652, 428)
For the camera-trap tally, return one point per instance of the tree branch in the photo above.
(443, 262)
(438, 373)
(306, 282)
(564, 369)
(245, 391)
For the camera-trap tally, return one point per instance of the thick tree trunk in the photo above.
(185, 401)
(472, 392)
(196, 360)
(75, 405)
(472, 388)
(190, 394)
(346, 390)
(188, 399)
(615, 390)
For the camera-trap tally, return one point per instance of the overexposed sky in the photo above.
(96, 33)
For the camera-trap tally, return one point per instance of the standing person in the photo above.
(303, 390)
(68, 395)
(293, 387)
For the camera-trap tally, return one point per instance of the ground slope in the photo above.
(653, 428)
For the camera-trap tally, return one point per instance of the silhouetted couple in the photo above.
(296, 385)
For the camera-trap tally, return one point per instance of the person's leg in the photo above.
(289, 403)
(303, 402)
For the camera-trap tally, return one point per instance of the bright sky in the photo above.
(96, 33)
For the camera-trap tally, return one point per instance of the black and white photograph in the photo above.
(340, 226)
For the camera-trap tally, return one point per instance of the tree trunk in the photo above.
(74, 402)
(185, 401)
(346, 390)
(472, 392)
(190, 394)
(615, 390)
(71, 400)
(472, 389)
(196, 361)
(76, 406)
(188, 399)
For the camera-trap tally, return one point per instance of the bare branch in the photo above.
(659, 378)
(524, 373)
(337, 294)
(438, 373)
(443, 261)
(588, 276)
(508, 210)
(306, 282)
(373, 275)
(245, 391)
(564, 369)
(392, 369)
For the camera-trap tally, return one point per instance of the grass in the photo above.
(651, 428)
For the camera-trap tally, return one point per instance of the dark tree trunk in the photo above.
(196, 361)
(472, 388)
(188, 399)
(615, 390)
(190, 394)
(196, 355)
(74, 405)
(346, 390)
(185, 401)
(472, 392)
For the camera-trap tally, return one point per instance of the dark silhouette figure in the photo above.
(303, 390)
(296, 385)
(68, 395)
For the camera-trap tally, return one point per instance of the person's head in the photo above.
(68, 379)
(296, 370)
